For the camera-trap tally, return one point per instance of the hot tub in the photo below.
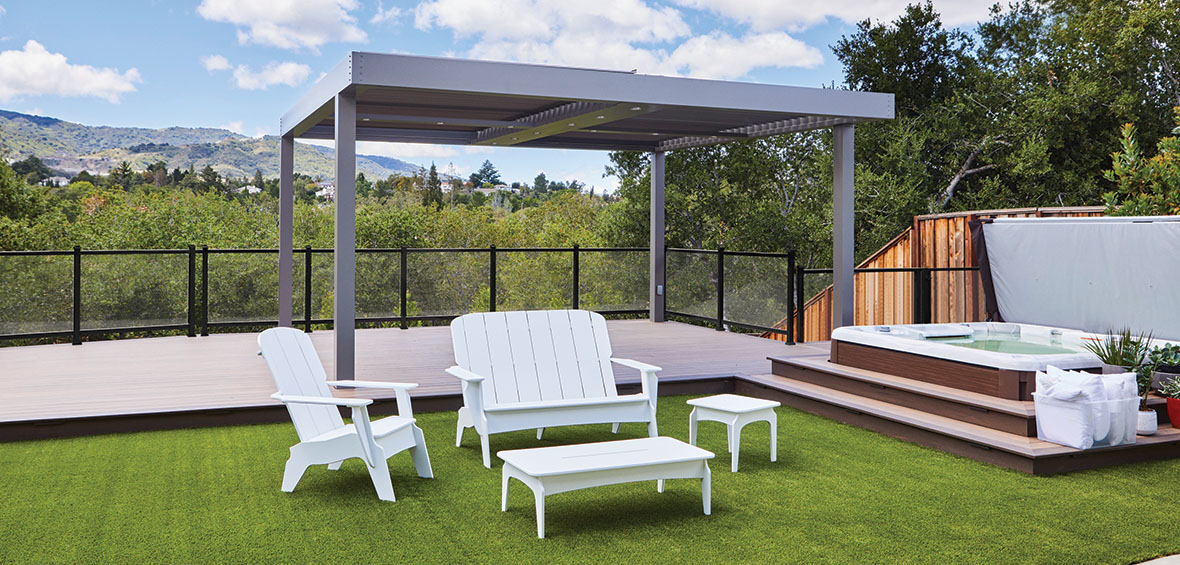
(997, 359)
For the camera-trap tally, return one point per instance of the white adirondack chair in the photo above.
(538, 369)
(324, 439)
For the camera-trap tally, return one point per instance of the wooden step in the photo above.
(1011, 416)
(981, 443)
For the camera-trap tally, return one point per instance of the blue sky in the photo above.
(239, 64)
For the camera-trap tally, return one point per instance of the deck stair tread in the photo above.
(1023, 446)
(1020, 408)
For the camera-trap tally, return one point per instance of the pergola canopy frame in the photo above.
(412, 99)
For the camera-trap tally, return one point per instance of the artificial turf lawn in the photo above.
(837, 494)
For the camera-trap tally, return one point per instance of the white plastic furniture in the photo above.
(539, 369)
(735, 411)
(324, 439)
(552, 470)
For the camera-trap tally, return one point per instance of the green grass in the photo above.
(837, 494)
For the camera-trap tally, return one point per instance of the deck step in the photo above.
(981, 443)
(1011, 416)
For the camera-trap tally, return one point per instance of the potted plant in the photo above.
(1120, 351)
(1170, 389)
(1145, 375)
(1167, 363)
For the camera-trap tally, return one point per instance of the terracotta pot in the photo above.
(1174, 412)
(1148, 423)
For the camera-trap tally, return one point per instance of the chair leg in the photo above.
(335, 466)
(773, 436)
(652, 430)
(420, 455)
(296, 466)
(540, 431)
(460, 424)
(487, 451)
(614, 428)
(692, 427)
(381, 480)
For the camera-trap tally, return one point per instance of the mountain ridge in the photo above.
(73, 147)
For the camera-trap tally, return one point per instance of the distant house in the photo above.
(248, 189)
(326, 190)
(55, 181)
(449, 186)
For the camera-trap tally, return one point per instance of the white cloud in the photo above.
(720, 55)
(288, 73)
(265, 131)
(762, 15)
(287, 24)
(215, 63)
(235, 127)
(3, 11)
(385, 14)
(620, 34)
(34, 71)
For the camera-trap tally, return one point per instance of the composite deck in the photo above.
(120, 385)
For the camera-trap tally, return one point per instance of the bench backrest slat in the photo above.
(536, 355)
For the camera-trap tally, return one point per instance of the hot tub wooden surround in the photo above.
(979, 425)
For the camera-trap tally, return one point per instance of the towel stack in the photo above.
(1084, 410)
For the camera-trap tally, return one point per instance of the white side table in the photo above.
(735, 411)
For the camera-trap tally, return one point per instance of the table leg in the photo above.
(735, 445)
(773, 435)
(692, 427)
(707, 490)
(660, 485)
(504, 490)
(540, 494)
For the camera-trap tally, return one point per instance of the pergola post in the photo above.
(656, 269)
(286, 231)
(344, 294)
(843, 260)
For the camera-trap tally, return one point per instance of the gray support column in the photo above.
(657, 290)
(286, 231)
(842, 223)
(344, 305)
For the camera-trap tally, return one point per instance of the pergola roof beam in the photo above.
(562, 119)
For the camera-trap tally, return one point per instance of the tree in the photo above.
(260, 183)
(432, 193)
(32, 169)
(1145, 186)
(363, 186)
(17, 199)
(486, 175)
(540, 184)
(210, 180)
(122, 175)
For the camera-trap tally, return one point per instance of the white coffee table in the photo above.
(550, 470)
(735, 411)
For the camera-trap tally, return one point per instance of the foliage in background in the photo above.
(1023, 111)
(1145, 186)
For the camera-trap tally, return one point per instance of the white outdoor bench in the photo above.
(552, 470)
(539, 369)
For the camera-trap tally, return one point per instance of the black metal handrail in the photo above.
(197, 297)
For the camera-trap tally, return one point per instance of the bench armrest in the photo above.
(464, 374)
(642, 367)
(325, 400)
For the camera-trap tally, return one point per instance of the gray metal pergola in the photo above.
(400, 98)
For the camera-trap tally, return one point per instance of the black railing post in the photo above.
(404, 291)
(791, 298)
(492, 281)
(720, 288)
(77, 295)
(800, 305)
(204, 290)
(192, 291)
(921, 296)
(577, 275)
(307, 289)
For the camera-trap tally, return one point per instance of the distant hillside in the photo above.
(75, 147)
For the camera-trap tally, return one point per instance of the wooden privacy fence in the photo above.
(935, 241)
